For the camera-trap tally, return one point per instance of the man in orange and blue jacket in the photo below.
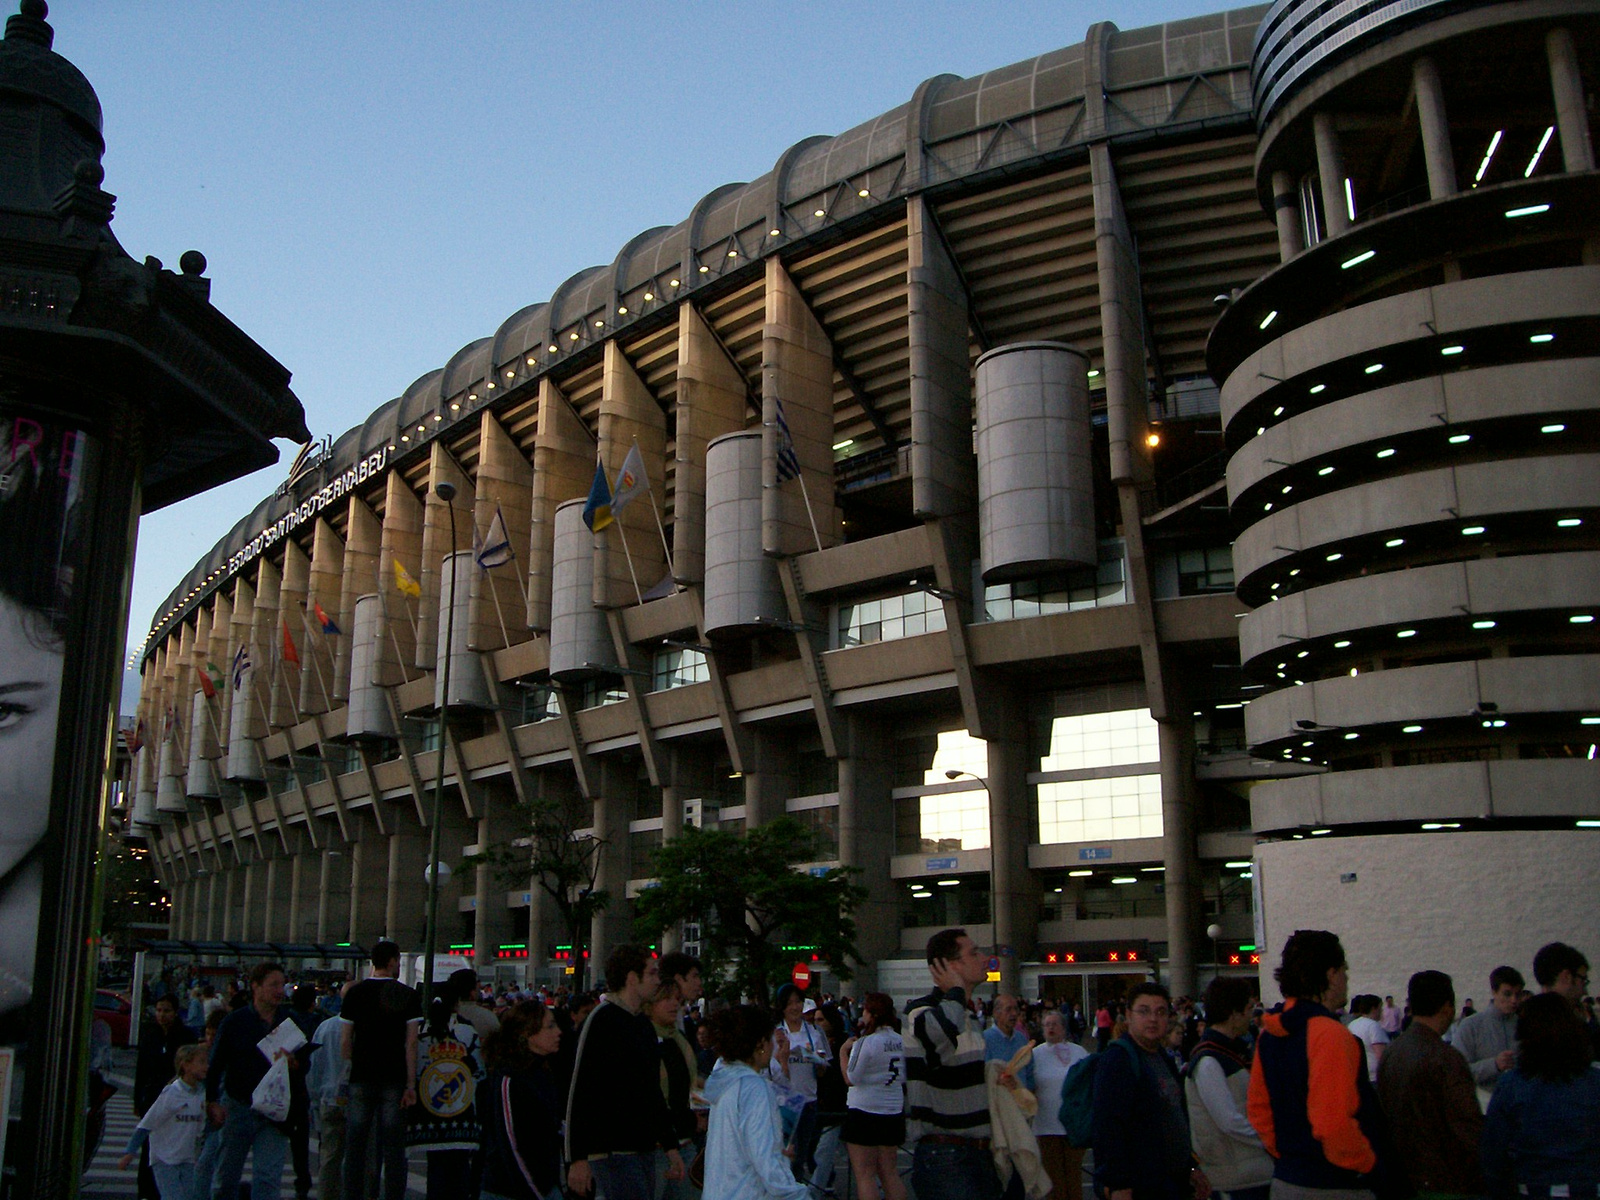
(1310, 1099)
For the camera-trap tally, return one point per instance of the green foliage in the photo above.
(749, 901)
(131, 893)
(559, 862)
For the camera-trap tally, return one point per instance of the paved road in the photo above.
(103, 1181)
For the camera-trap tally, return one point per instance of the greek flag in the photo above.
(788, 463)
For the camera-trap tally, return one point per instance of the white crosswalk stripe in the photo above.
(103, 1181)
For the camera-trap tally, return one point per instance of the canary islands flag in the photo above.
(597, 510)
(403, 581)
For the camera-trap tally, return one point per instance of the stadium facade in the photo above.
(1133, 503)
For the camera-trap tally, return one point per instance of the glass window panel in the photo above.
(1094, 809)
(958, 750)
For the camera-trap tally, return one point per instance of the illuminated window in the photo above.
(887, 618)
(1090, 810)
(675, 667)
(1065, 591)
(935, 814)
(1108, 739)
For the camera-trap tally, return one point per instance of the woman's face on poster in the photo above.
(30, 694)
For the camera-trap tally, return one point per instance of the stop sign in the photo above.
(801, 975)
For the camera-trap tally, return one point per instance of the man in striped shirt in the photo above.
(947, 1101)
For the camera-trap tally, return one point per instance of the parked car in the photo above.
(116, 1010)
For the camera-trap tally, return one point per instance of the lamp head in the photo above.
(445, 490)
(952, 774)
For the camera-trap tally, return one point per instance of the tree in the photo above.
(561, 862)
(132, 896)
(748, 899)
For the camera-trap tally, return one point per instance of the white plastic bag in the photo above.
(271, 1097)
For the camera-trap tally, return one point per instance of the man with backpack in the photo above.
(1141, 1129)
(1216, 1086)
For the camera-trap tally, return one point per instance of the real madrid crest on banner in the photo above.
(448, 1071)
(445, 1088)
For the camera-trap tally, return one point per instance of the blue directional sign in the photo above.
(1093, 853)
(942, 864)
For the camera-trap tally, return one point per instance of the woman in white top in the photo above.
(1051, 1062)
(874, 1122)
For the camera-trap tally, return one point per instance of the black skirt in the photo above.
(874, 1129)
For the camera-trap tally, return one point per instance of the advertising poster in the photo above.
(40, 484)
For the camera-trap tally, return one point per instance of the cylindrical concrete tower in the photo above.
(580, 643)
(467, 683)
(203, 751)
(369, 714)
(742, 587)
(1035, 476)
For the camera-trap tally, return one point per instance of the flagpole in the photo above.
(294, 699)
(810, 516)
(388, 623)
(625, 553)
(479, 547)
(654, 512)
(322, 682)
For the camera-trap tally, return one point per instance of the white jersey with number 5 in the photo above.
(877, 1073)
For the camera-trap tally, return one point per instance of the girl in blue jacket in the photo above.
(744, 1144)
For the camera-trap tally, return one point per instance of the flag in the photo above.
(323, 619)
(210, 680)
(494, 550)
(290, 654)
(631, 481)
(241, 664)
(788, 463)
(597, 510)
(404, 582)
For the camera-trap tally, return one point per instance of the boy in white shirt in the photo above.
(173, 1126)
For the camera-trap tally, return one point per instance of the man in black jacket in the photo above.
(616, 1113)
(237, 1066)
(158, 1042)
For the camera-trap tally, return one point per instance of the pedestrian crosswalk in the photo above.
(102, 1180)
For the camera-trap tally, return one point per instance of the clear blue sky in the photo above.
(377, 184)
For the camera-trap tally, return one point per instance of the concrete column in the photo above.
(436, 543)
(324, 890)
(1572, 116)
(274, 913)
(1330, 167)
(944, 480)
(297, 878)
(672, 798)
(363, 561)
(629, 414)
(249, 927)
(1014, 892)
(796, 367)
(1286, 212)
(710, 401)
(406, 889)
(770, 783)
(230, 907)
(1180, 850)
(613, 808)
(866, 842)
(563, 466)
(213, 922)
(493, 925)
(1436, 149)
(1122, 326)
(369, 887)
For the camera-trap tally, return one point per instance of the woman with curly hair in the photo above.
(521, 1107)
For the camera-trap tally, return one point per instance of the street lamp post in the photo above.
(1008, 980)
(446, 491)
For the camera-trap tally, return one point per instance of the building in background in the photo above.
(933, 432)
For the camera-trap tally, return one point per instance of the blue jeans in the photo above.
(374, 1108)
(175, 1181)
(827, 1157)
(247, 1132)
(941, 1171)
(625, 1176)
(205, 1167)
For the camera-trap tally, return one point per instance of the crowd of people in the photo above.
(644, 1091)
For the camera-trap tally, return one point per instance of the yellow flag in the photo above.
(403, 581)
